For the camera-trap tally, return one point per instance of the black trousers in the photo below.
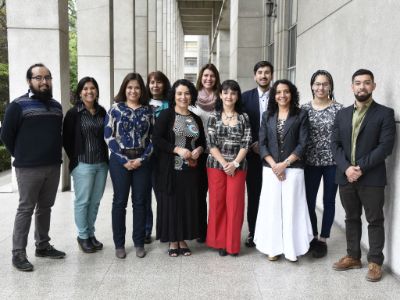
(253, 183)
(354, 197)
(203, 189)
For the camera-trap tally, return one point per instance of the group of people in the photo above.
(184, 142)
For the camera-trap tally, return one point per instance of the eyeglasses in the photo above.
(320, 84)
(41, 78)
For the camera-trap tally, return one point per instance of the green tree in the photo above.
(73, 58)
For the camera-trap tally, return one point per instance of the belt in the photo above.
(133, 153)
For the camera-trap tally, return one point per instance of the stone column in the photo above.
(124, 18)
(222, 57)
(95, 45)
(141, 40)
(245, 40)
(159, 34)
(38, 32)
(152, 36)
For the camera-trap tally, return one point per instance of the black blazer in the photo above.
(294, 140)
(374, 143)
(73, 140)
(164, 144)
(251, 106)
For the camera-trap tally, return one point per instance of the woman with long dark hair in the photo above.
(88, 159)
(229, 137)
(319, 160)
(179, 141)
(128, 131)
(283, 223)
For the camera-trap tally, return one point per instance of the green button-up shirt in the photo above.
(358, 117)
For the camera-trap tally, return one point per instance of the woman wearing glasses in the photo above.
(319, 160)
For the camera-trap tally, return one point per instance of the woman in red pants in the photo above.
(229, 136)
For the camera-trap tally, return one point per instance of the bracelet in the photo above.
(236, 164)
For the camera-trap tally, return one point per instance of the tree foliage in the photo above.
(73, 57)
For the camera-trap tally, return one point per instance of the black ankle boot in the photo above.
(86, 245)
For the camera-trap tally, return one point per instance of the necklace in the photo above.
(229, 118)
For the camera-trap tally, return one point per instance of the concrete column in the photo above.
(123, 28)
(95, 46)
(245, 40)
(33, 38)
(164, 36)
(222, 57)
(168, 36)
(281, 41)
(141, 40)
(152, 36)
(159, 34)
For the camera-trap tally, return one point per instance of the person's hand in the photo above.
(255, 148)
(353, 173)
(135, 163)
(281, 176)
(128, 166)
(229, 169)
(183, 152)
(196, 153)
(279, 168)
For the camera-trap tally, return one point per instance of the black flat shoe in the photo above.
(222, 252)
(96, 244)
(148, 239)
(173, 252)
(86, 245)
(185, 251)
(250, 242)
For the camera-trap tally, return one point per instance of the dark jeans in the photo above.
(149, 210)
(312, 176)
(37, 190)
(123, 180)
(254, 184)
(354, 197)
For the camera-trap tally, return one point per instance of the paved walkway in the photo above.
(157, 276)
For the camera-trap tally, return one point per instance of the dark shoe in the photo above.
(185, 251)
(374, 272)
(173, 252)
(20, 261)
(249, 242)
(49, 252)
(148, 239)
(140, 252)
(222, 252)
(320, 249)
(201, 240)
(120, 253)
(234, 254)
(97, 245)
(86, 245)
(347, 263)
(313, 244)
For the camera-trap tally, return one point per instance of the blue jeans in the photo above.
(123, 180)
(89, 184)
(312, 176)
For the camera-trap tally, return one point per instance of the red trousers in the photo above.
(226, 209)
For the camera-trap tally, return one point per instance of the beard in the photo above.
(363, 98)
(45, 95)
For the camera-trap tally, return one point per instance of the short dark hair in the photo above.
(234, 86)
(29, 71)
(362, 72)
(121, 96)
(159, 76)
(330, 79)
(294, 107)
(80, 86)
(189, 85)
(213, 69)
(261, 64)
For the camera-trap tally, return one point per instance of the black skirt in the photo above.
(178, 213)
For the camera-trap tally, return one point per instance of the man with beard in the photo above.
(32, 133)
(363, 136)
(255, 103)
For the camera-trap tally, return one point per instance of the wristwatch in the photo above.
(236, 164)
(287, 162)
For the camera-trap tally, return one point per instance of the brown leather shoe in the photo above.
(346, 263)
(374, 272)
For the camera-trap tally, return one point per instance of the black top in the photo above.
(83, 136)
(164, 143)
(31, 131)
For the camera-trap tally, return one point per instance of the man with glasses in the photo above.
(32, 133)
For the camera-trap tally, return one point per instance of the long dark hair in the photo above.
(189, 85)
(213, 69)
(81, 85)
(158, 76)
(233, 86)
(294, 107)
(121, 96)
(330, 79)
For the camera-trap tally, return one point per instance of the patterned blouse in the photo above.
(127, 128)
(228, 139)
(318, 151)
(186, 133)
(280, 127)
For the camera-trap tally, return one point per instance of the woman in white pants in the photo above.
(283, 224)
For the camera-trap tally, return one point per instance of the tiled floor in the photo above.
(204, 275)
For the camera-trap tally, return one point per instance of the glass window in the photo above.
(190, 61)
(292, 38)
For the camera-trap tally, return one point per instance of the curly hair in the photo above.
(121, 96)
(233, 86)
(189, 85)
(294, 107)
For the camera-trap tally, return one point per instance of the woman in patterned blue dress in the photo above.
(128, 130)
(179, 140)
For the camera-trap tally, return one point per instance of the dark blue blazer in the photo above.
(374, 143)
(295, 137)
(251, 106)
